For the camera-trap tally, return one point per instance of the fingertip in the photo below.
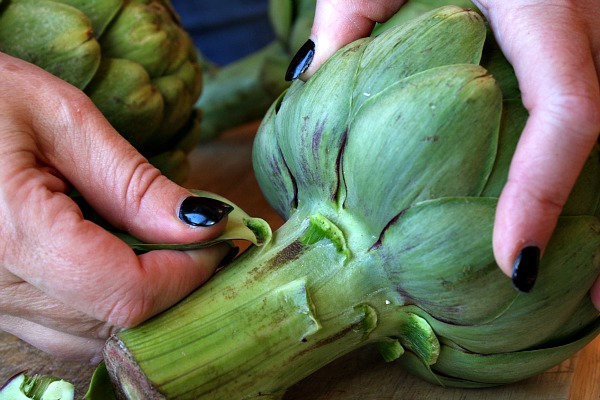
(521, 232)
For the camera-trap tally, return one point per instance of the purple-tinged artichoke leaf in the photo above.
(271, 171)
(559, 291)
(312, 122)
(439, 254)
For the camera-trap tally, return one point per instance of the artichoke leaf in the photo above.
(100, 387)
(502, 368)
(100, 13)
(439, 254)
(153, 40)
(122, 90)
(571, 285)
(311, 137)
(271, 171)
(178, 106)
(73, 54)
(424, 147)
(496, 63)
(449, 35)
(514, 116)
(585, 195)
(240, 226)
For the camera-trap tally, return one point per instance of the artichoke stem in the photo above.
(272, 317)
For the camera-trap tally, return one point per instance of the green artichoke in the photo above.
(131, 57)
(387, 165)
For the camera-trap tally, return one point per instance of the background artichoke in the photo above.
(131, 57)
(387, 165)
(243, 91)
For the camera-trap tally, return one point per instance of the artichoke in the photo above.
(131, 57)
(387, 165)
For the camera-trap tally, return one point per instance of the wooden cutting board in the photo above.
(224, 166)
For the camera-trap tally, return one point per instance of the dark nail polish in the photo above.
(525, 269)
(203, 211)
(301, 61)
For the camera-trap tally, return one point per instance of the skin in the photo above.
(554, 47)
(65, 283)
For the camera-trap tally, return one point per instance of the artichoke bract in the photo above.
(387, 165)
(131, 57)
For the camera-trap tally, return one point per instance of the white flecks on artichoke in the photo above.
(387, 165)
(131, 57)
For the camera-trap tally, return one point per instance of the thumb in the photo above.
(337, 23)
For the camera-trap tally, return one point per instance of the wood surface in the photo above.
(224, 166)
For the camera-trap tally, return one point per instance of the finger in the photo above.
(337, 23)
(56, 343)
(73, 137)
(560, 89)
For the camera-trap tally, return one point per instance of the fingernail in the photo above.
(203, 211)
(525, 269)
(301, 61)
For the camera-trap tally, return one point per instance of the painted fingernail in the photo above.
(203, 211)
(525, 269)
(301, 61)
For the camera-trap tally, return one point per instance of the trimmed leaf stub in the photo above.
(322, 228)
(240, 226)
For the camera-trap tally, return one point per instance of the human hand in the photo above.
(65, 283)
(554, 47)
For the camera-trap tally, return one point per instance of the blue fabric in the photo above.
(226, 30)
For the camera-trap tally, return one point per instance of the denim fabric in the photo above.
(226, 30)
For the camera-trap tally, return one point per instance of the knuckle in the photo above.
(577, 109)
(547, 200)
(128, 310)
(140, 180)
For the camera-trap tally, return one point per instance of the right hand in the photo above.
(66, 284)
